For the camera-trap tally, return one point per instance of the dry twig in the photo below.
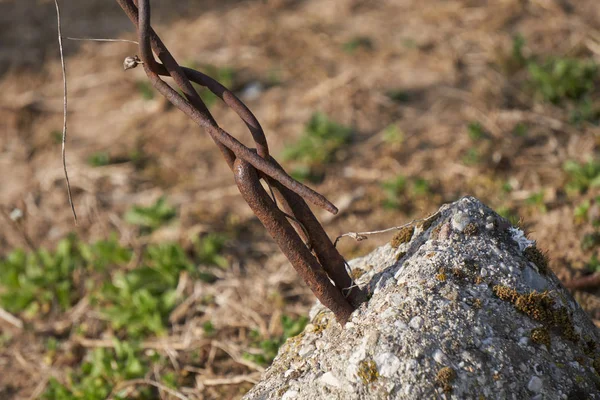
(11, 319)
(360, 236)
(64, 131)
(147, 382)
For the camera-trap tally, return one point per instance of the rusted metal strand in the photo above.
(157, 45)
(289, 242)
(196, 109)
(329, 257)
(584, 282)
(318, 262)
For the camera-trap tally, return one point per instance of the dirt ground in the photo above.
(449, 62)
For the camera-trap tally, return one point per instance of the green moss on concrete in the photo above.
(400, 255)
(471, 229)
(540, 307)
(404, 235)
(540, 336)
(357, 273)
(445, 377)
(540, 259)
(367, 371)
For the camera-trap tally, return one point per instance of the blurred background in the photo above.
(170, 287)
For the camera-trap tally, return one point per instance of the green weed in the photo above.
(476, 131)
(581, 212)
(139, 301)
(209, 329)
(5, 339)
(304, 173)
(398, 95)
(506, 187)
(515, 60)
(56, 136)
(521, 129)
(318, 146)
(585, 111)
(224, 75)
(594, 264)
(393, 135)
(517, 50)
(268, 347)
(394, 189)
(99, 159)
(152, 217)
(471, 157)
(582, 176)
(590, 241)
(42, 281)
(509, 214)
(104, 253)
(537, 200)
(208, 249)
(401, 190)
(170, 379)
(421, 187)
(274, 76)
(409, 43)
(101, 371)
(145, 90)
(136, 301)
(357, 43)
(558, 79)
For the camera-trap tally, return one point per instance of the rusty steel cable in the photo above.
(295, 229)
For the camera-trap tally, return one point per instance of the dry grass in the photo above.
(449, 63)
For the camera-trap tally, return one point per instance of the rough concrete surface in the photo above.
(463, 306)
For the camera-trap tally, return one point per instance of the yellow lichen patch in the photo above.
(471, 229)
(505, 293)
(540, 336)
(445, 377)
(435, 232)
(291, 344)
(320, 322)
(540, 259)
(426, 224)
(357, 273)
(367, 371)
(404, 235)
(540, 307)
(441, 276)
(400, 255)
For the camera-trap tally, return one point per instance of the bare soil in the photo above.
(449, 59)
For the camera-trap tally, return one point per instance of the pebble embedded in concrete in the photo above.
(387, 364)
(440, 357)
(416, 322)
(460, 221)
(330, 380)
(535, 384)
(398, 342)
